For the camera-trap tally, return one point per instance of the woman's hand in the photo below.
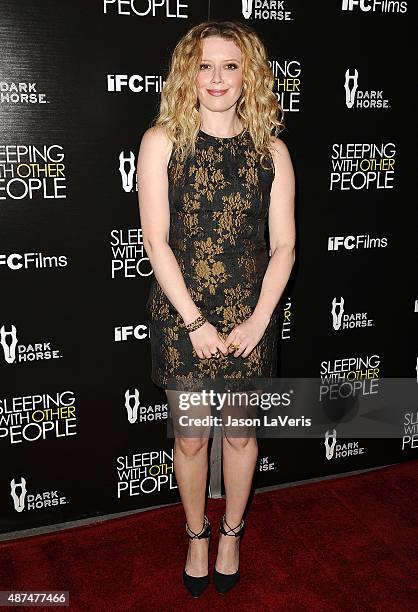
(206, 341)
(247, 335)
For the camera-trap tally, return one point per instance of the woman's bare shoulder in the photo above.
(277, 145)
(156, 142)
(282, 161)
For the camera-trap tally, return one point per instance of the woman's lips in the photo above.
(217, 92)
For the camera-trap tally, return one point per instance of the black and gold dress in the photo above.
(219, 201)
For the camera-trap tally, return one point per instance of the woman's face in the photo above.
(219, 78)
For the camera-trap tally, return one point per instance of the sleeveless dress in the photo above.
(219, 200)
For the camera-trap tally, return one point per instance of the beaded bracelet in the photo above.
(196, 323)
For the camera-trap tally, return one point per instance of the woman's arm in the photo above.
(282, 232)
(154, 153)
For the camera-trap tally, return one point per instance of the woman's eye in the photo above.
(234, 66)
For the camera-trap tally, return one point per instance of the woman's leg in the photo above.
(191, 469)
(239, 461)
(239, 453)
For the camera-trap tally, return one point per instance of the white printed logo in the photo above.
(340, 451)
(266, 465)
(287, 319)
(129, 258)
(358, 98)
(330, 441)
(151, 8)
(362, 166)
(27, 171)
(375, 6)
(23, 500)
(265, 9)
(135, 83)
(31, 352)
(247, 8)
(139, 332)
(20, 93)
(145, 473)
(18, 499)
(9, 345)
(337, 312)
(350, 86)
(351, 369)
(287, 83)
(361, 241)
(127, 170)
(32, 261)
(410, 424)
(134, 409)
(347, 321)
(32, 418)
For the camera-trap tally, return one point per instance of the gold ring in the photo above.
(234, 346)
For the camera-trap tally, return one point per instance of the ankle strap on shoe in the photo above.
(231, 530)
(203, 533)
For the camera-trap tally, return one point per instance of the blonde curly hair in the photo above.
(258, 107)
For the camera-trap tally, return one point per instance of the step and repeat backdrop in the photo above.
(82, 426)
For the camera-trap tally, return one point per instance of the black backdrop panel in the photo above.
(82, 427)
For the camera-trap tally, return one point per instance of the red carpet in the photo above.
(343, 544)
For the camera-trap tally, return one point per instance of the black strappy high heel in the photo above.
(225, 582)
(197, 584)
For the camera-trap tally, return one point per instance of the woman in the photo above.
(211, 176)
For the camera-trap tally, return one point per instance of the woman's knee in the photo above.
(191, 446)
(238, 443)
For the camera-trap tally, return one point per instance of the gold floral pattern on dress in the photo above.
(209, 271)
(218, 202)
(235, 308)
(231, 217)
(207, 177)
(171, 353)
(249, 171)
(190, 215)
